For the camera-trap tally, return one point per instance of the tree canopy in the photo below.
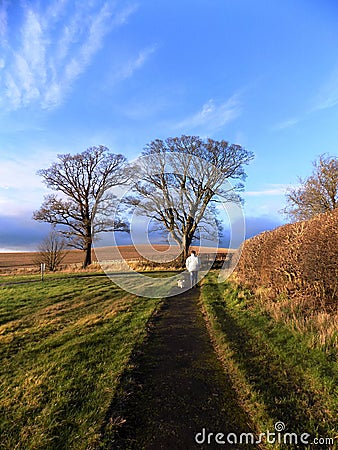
(83, 181)
(316, 194)
(177, 181)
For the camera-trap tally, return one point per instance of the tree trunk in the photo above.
(88, 255)
(88, 245)
(186, 242)
(88, 242)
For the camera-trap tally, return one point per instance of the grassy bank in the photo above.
(63, 346)
(278, 377)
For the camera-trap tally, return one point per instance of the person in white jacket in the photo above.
(193, 264)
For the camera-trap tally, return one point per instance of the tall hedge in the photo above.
(298, 260)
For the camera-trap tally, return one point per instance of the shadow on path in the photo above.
(176, 387)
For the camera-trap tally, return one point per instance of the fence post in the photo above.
(43, 267)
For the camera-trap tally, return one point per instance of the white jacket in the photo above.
(192, 263)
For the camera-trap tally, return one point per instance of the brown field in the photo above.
(128, 252)
(26, 259)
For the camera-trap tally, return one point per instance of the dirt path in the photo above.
(176, 388)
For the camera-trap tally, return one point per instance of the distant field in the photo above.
(128, 252)
(63, 346)
(21, 259)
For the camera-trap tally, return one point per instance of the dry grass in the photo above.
(277, 373)
(304, 317)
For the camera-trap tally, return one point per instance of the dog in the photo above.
(181, 283)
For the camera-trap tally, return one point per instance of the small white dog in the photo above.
(181, 283)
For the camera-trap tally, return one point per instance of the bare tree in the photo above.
(179, 179)
(51, 251)
(317, 193)
(84, 181)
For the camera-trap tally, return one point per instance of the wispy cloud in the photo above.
(327, 96)
(122, 16)
(136, 63)
(270, 190)
(54, 48)
(3, 20)
(287, 123)
(21, 190)
(213, 116)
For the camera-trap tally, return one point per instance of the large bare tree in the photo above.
(179, 179)
(316, 194)
(84, 181)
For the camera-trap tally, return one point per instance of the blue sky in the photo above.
(259, 73)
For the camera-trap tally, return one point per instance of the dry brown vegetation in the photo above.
(293, 271)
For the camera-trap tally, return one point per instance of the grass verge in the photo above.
(276, 375)
(63, 347)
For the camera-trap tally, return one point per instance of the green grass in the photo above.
(275, 373)
(63, 347)
(23, 278)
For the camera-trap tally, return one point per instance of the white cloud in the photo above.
(134, 64)
(213, 116)
(55, 10)
(20, 173)
(3, 20)
(55, 47)
(122, 16)
(13, 92)
(327, 96)
(271, 190)
(286, 124)
(21, 189)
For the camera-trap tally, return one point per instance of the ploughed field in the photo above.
(127, 252)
